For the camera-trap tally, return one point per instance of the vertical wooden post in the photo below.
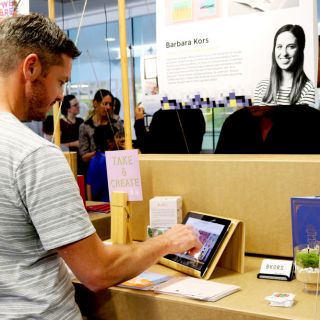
(120, 207)
(72, 160)
(124, 73)
(56, 118)
(121, 232)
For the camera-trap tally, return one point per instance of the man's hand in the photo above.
(182, 238)
(99, 266)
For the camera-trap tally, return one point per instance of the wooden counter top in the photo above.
(247, 304)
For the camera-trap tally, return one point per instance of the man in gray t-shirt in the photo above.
(43, 223)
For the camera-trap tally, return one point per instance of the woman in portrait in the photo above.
(288, 83)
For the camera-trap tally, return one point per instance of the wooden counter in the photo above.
(101, 222)
(247, 304)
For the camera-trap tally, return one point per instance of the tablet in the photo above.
(212, 231)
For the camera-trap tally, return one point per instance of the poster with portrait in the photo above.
(9, 8)
(149, 84)
(213, 53)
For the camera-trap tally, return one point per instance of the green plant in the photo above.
(307, 259)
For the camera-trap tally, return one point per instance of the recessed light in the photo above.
(109, 39)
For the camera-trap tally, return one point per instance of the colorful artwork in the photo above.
(181, 10)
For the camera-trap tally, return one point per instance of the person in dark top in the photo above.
(69, 127)
(170, 131)
(70, 123)
(116, 108)
(293, 129)
(103, 103)
(48, 127)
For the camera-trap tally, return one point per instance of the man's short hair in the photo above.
(33, 33)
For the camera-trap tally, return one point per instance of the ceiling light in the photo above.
(109, 39)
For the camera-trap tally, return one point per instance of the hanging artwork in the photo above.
(214, 53)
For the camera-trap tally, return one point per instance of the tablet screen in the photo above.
(212, 231)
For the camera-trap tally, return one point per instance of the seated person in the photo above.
(290, 129)
(97, 178)
(170, 131)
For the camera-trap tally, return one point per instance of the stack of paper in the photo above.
(196, 288)
(145, 281)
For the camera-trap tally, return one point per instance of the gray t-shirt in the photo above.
(40, 210)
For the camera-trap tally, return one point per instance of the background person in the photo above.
(116, 109)
(69, 127)
(171, 131)
(48, 127)
(43, 222)
(289, 129)
(103, 103)
(97, 176)
(288, 83)
(70, 123)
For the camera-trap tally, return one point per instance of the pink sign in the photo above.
(124, 173)
(10, 8)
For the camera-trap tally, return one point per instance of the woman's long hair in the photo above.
(299, 77)
(98, 97)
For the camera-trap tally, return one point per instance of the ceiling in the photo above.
(71, 7)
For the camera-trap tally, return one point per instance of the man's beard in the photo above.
(36, 102)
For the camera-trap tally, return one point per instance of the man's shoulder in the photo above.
(17, 138)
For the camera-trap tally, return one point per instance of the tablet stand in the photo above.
(121, 230)
(230, 254)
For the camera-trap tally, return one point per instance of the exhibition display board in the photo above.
(226, 50)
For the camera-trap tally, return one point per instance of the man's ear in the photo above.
(31, 67)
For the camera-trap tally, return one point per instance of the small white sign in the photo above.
(276, 269)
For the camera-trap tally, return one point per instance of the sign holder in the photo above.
(121, 228)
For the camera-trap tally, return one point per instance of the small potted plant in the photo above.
(307, 267)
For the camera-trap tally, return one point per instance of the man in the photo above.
(42, 219)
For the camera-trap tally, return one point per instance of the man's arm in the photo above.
(99, 266)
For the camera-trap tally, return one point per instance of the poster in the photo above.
(149, 84)
(11, 7)
(213, 53)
